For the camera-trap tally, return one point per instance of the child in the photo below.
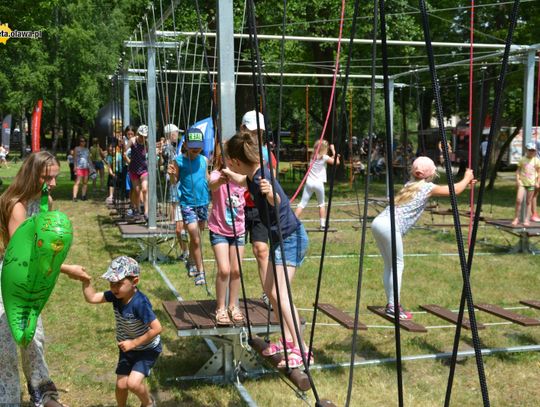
(17, 203)
(71, 164)
(82, 169)
(317, 178)
(191, 169)
(409, 205)
(96, 156)
(224, 241)
(3, 155)
(138, 169)
(243, 159)
(168, 155)
(527, 179)
(108, 162)
(137, 328)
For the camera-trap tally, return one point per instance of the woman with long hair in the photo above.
(17, 203)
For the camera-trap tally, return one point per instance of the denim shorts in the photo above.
(140, 361)
(216, 238)
(192, 214)
(173, 193)
(294, 247)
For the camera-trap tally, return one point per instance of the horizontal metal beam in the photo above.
(146, 44)
(478, 45)
(272, 74)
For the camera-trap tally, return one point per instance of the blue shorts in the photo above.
(98, 165)
(138, 360)
(192, 214)
(294, 247)
(216, 238)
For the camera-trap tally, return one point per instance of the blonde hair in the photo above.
(217, 159)
(243, 146)
(25, 186)
(411, 188)
(324, 147)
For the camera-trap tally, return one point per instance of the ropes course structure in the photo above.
(174, 65)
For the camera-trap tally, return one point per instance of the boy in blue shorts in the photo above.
(137, 328)
(191, 171)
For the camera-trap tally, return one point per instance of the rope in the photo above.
(537, 99)
(281, 69)
(330, 103)
(390, 181)
(453, 200)
(466, 288)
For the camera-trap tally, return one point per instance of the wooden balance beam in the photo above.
(197, 318)
(508, 315)
(406, 324)
(449, 315)
(319, 230)
(340, 317)
(148, 239)
(523, 232)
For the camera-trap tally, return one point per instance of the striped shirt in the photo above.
(133, 319)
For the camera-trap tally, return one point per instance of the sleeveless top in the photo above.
(138, 163)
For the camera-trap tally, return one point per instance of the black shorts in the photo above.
(256, 230)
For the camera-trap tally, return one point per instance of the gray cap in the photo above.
(120, 268)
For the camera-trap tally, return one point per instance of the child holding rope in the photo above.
(137, 328)
(191, 171)
(317, 177)
(527, 180)
(138, 169)
(410, 202)
(243, 159)
(224, 240)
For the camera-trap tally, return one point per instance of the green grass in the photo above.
(81, 349)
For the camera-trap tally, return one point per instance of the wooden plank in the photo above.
(340, 317)
(178, 315)
(197, 314)
(209, 306)
(315, 230)
(260, 307)
(531, 303)
(449, 316)
(406, 324)
(508, 315)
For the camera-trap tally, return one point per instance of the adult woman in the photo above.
(82, 169)
(18, 202)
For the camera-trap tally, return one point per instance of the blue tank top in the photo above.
(193, 183)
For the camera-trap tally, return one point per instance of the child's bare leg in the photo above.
(84, 186)
(234, 281)
(534, 202)
(195, 253)
(136, 385)
(528, 205)
(298, 211)
(519, 200)
(221, 253)
(121, 390)
(144, 191)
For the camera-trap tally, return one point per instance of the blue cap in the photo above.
(195, 138)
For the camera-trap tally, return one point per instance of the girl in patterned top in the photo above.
(410, 202)
(138, 169)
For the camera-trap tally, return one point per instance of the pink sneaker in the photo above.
(535, 218)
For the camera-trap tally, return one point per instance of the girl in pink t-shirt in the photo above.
(224, 242)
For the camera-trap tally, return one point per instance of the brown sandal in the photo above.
(222, 317)
(236, 315)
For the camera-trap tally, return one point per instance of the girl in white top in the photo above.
(317, 177)
(410, 202)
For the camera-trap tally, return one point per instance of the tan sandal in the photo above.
(222, 317)
(236, 315)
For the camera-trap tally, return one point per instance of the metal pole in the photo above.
(152, 159)
(226, 75)
(125, 113)
(528, 99)
(391, 87)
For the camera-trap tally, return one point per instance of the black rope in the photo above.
(277, 137)
(255, 47)
(453, 201)
(485, 163)
(390, 178)
(366, 196)
(255, 60)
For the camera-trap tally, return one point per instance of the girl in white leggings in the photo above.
(410, 202)
(317, 177)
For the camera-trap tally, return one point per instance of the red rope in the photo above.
(537, 99)
(471, 80)
(330, 104)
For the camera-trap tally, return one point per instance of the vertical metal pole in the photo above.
(125, 114)
(391, 103)
(528, 99)
(151, 91)
(226, 95)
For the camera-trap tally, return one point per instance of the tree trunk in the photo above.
(504, 147)
(56, 128)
